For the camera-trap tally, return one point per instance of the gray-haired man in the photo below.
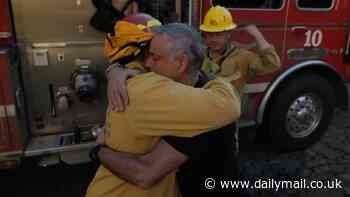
(183, 111)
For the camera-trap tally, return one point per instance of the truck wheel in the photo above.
(300, 113)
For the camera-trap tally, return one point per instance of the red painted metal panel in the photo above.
(5, 23)
(14, 137)
(4, 139)
(4, 17)
(5, 77)
(9, 133)
(325, 29)
(304, 16)
(4, 127)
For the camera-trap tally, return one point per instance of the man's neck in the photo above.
(189, 79)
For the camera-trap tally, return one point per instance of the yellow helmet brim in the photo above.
(212, 29)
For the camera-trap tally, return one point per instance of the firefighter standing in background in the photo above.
(129, 48)
(229, 61)
(225, 59)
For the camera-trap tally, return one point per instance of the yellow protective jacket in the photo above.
(160, 107)
(238, 65)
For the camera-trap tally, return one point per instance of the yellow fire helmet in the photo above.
(143, 21)
(218, 19)
(130, 39)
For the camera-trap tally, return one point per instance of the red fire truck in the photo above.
(52, 88)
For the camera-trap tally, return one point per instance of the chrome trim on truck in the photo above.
(5, 34)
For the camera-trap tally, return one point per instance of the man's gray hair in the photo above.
(186, 39)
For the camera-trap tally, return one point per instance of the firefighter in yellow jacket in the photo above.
(225, 59)
(159, 104)
(127, 47)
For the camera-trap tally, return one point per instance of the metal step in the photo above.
(50, 144)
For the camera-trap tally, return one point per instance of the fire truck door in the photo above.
(315, 31)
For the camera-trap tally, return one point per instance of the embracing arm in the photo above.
(142, 170)
(174, 109)
(116, 87)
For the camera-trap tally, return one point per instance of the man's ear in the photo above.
(184, 63)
